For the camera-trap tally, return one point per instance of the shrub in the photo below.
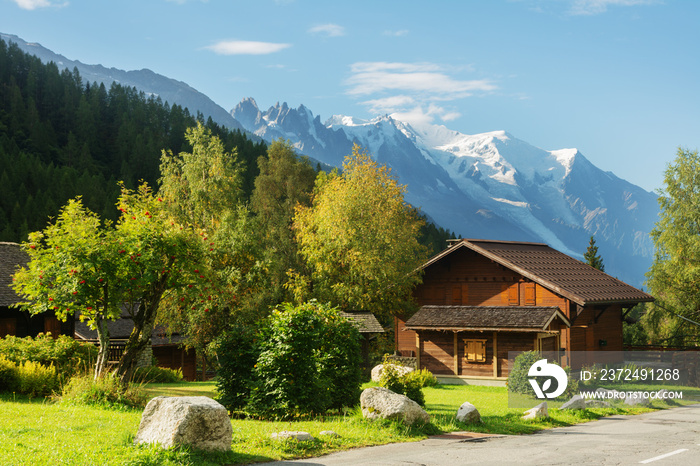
(518, 380)
(35, 379)
(309, 362)
(9, 377)
(106, 391)
(66, 354)
(236, 352)
(409, 384)
(155, 374)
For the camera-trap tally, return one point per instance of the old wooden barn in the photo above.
(481, 299)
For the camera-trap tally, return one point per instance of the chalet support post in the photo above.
(455, 347)
(419, 344)
(495, 354)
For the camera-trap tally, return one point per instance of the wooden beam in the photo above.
(455, 346)
(495, 354)
(418, 348)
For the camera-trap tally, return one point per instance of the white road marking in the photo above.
(660, 457)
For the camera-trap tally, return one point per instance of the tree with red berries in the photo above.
(79, 265)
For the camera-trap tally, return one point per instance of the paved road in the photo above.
(669, 437)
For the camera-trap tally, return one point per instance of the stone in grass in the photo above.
(197, 421)
(378, 370)
(597, 404)
(637, 399)
(467, 412)
(576, 402)
(291, 434)
(539, 411)
(328, 433)
(381, 403)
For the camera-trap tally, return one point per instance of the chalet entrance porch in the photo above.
(474, 342)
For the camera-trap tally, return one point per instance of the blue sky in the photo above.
(617, 79)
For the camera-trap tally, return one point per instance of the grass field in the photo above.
(40, 432)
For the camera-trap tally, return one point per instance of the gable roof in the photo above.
(554, 270)
(11, 257)
(364, 321)
(516, 318)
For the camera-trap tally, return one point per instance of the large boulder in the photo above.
(576, 402)
(539, 411)
(377, 370)
(467, 412)
(379, 402)
(197, 421)
(637, 399)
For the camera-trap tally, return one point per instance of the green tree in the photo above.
(203, 189)
(285, 182)
(359, 237)
(674, 275)
(78, 264)
(592, 257)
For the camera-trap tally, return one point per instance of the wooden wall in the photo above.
(173, 357)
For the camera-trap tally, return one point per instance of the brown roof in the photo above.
(520, 318)
(121, 328)
(364, 320)
(11, 258)
(554, 270)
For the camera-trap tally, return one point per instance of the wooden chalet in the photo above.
(481, 299)
(14, 321)
(369, 327)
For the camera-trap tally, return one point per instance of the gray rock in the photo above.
(597, 404)
(467, 412)
(197, 421)
(291, 434)
(378, 402)
(539, 411)
(637, 399)
(377, 370)
(576, 402)
(328, 433)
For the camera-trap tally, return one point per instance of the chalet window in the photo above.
(475, 350)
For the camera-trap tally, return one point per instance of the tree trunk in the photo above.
(138, 341)
(103, 352)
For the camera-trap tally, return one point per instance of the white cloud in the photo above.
(420, 116)
(399, 33)
(427, 78)
(34, 4)
(414, 92)
(245, 47)
(594, 7)
(330, 30)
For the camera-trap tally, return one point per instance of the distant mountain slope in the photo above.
(489, 185)
(169, 90)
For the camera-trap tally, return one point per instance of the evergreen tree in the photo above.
(592, 257)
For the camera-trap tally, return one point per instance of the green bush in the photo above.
(409, 384)
(35, 379)
(9, 377)
(155, 374)
(106, 392)
(66, 354)
(518, 380)
(309, 362)
(237, 352)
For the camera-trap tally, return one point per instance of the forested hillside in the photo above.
(61, 137)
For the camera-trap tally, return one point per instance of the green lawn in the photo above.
(46, 433)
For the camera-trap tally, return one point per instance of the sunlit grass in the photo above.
(51, 433)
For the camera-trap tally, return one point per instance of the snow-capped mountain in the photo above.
(489, 185)
(169, 90)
